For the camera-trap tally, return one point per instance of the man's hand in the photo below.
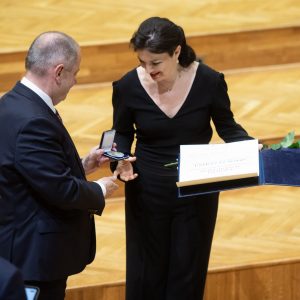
(125, 170)
(110, 185)
(94, 160)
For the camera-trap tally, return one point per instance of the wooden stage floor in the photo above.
(255, 226)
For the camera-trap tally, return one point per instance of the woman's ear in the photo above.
(177, 51)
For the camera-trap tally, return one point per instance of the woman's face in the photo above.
(160, 66)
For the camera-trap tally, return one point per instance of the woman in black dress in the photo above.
(168, 100)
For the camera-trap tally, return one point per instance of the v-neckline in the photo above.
(183, 103)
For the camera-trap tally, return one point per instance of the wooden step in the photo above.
(229, 50)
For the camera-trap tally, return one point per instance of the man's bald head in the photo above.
(50, 49)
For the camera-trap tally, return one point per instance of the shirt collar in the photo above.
(38, 91)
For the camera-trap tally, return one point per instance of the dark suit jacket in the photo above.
(46, 226)
(11, 282)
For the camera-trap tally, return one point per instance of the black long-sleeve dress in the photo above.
(168, 239)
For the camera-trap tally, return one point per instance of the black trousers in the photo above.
(50, 290)
(168, 240)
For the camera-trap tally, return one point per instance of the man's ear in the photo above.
(58, 72)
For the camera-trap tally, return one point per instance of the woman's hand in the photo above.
(125, 170)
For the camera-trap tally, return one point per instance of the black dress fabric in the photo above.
(168, 239)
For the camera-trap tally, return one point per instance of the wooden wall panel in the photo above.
(245, 49)
(277, 281)
(106, 292)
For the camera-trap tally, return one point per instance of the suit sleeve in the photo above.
(47, 159)
(11, 282)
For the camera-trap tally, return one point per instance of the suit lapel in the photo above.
(30, 95)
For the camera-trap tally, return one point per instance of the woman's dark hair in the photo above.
(159, 35)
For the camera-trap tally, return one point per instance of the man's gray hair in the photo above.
(50, 49)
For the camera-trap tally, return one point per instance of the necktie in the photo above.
(58, 115)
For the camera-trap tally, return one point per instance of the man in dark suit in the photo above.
(11, 282)
(46, 204)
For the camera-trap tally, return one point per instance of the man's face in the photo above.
(67, 80)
